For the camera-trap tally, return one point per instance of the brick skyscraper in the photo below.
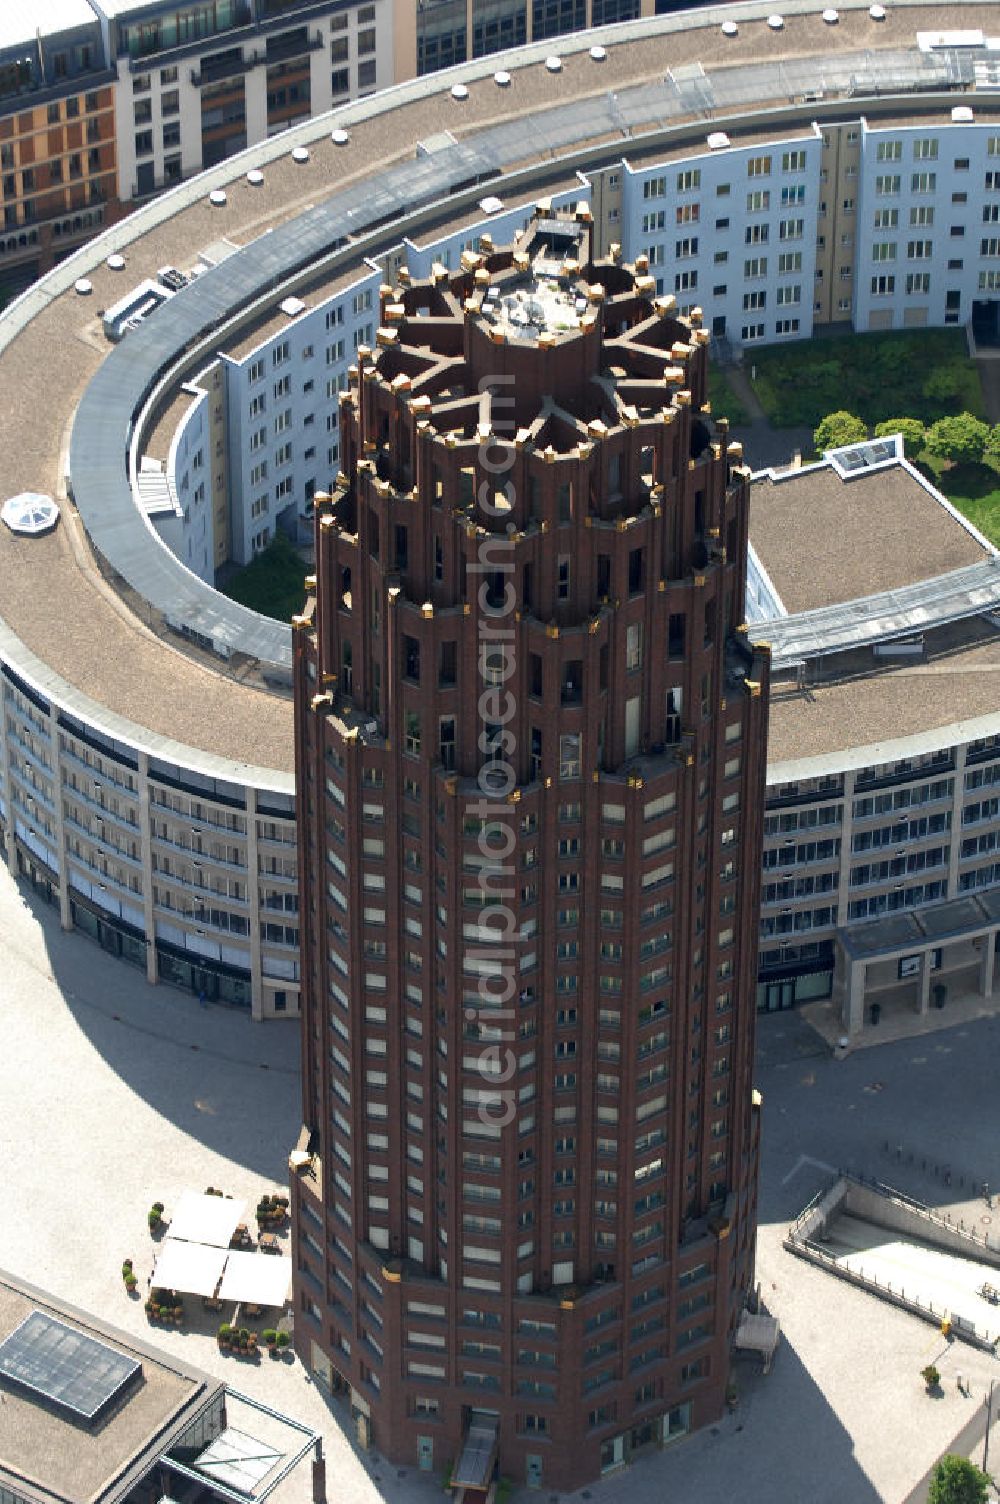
(531, 744)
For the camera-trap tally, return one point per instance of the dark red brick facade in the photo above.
(531, 743)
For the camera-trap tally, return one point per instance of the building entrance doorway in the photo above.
(778, 996)
(986, 321)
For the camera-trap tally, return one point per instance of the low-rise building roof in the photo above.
(48, 1456)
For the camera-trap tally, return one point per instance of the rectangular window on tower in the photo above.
(569, 756)
(447, 657)
(446, 741)
(633, 647)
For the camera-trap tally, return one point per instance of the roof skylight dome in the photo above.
(30, 513)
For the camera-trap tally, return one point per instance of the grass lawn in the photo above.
(272, 583)
(725, 403)
(973, 489)
(919, 373)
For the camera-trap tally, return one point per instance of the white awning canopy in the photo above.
(758, 1334)
(193, 1268)
(205, 1219)
(262, 1278)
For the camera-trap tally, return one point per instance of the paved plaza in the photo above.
(116, 1094)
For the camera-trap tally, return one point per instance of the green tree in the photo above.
(991, 454)
(913, 431)
(838, 429)
(961, 439)
(956, 1480)
(944, 385)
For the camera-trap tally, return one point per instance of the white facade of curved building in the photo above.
(188, 871)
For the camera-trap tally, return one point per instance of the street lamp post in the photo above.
(989, 1422)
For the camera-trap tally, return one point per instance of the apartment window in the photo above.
(688, 181)
(758, 167)
(795, 193)
(754, 300)
(687, 214)
(918, 250)
(789, 261)
(786, 326)
(922, 216)
(633, 647)
(884, 250)
(754, 266)
(654, 187)
(889, 151)
(919, 282)
(569, 755)
(170, 102)
(925, 149)
(887, 185)
(886, 219)
(793, 161)
(758, 201)
(923, 182)
(750, 332)
(685, 281)
(788, 296)
(755, 234)
(883, 286)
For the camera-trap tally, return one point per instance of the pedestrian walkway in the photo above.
(764, 447)
(989, 377)
(932, 1277)
(899, 1020)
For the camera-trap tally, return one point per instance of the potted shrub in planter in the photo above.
(224, 1335)
(283, 1340)
(931, 1377)
(131, 1282)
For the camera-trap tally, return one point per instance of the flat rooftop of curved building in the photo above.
(886, 704)
(825, 536)
(55, 600)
